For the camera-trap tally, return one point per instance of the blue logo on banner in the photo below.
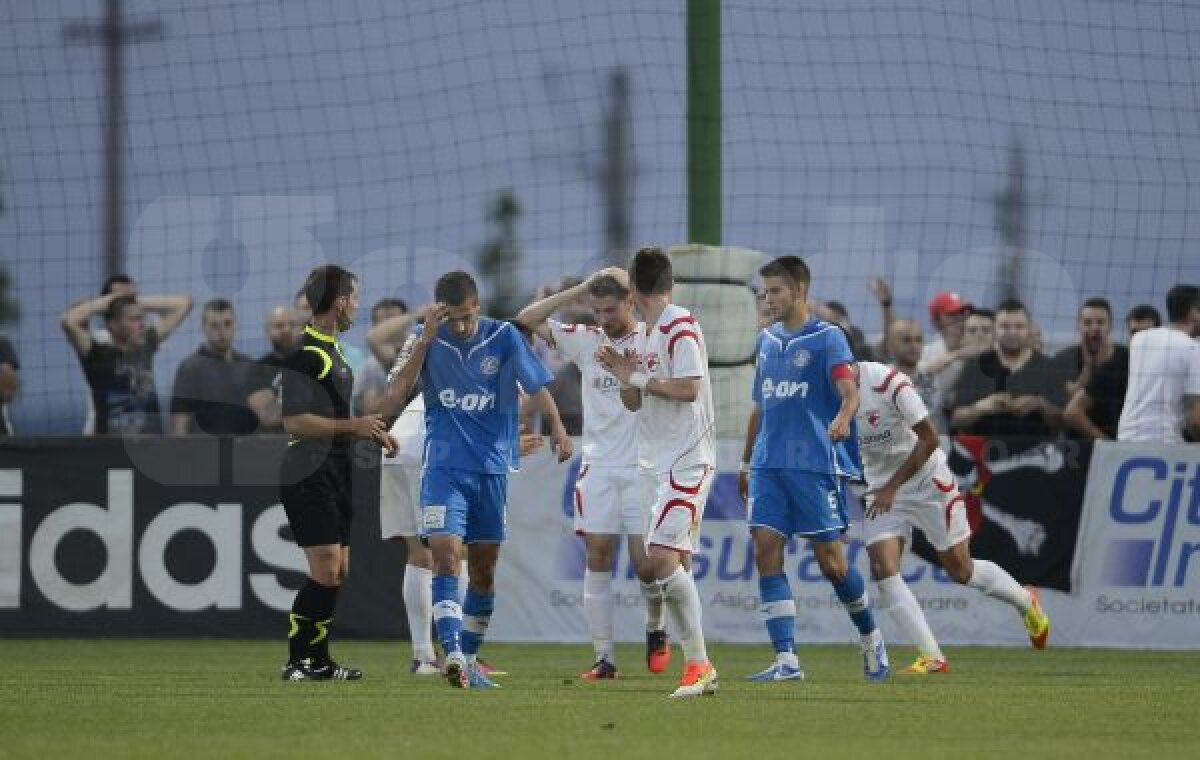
(1149, 492)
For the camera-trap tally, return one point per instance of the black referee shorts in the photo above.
(316, 493)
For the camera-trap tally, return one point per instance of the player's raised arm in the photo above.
(409, 361)
(533, 317)
(382, 338)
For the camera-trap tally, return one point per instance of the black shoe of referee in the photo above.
(307, 670)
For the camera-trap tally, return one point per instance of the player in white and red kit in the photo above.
(665, 380)
(608, 503)
(910, 484)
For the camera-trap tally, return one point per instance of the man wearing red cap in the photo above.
(943, 359)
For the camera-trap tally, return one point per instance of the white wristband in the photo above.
(638, 380)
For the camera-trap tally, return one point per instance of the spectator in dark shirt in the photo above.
(1095, 347)
(1011, 390)
(266, 397)
(121, 373)
(213, 385)
(1094, 410)
(9, 382)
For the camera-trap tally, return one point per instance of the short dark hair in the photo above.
(1144, 312)
(217, 304)
(116, 279)
(1098, 303)
(390, 303)
(606, 285)
(116, 307)
(789, 267)
(325, 285)
(650, 271)
(1181, 299)
(455, 288)
(979, 311)
(1010, 305)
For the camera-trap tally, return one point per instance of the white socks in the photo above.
(897, 598)
(652, 593)
(598, 611)
(994, 581)
(683, 601)
(418, 606)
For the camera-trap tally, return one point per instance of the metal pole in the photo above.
(114, 260)
(704, 121)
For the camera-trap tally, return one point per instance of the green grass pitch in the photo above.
(160, 699)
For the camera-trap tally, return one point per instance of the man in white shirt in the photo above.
(665, 380)
(608, 502)
(1163, 398)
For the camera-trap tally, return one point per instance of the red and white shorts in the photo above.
(932, 503)
(677, 502)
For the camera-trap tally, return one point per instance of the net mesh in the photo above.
(1042, 149)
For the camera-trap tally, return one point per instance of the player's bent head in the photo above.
(325, 285)
(790, 268)
(650, 272)
(455, 288)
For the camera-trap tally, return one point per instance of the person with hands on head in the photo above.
(472, 370)
(608, 502)
(317, 470)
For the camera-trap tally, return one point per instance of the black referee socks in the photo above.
(312, 614)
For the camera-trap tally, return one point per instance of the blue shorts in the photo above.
(466, 504)
(795, 502)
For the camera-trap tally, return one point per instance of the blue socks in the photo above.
(779, 612)
(476, 614)
(852, 592)
(448, 613)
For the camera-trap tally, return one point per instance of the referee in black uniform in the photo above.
(317, 467)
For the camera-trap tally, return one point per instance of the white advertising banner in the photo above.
(1134, 582)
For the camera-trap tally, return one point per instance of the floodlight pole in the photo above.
(704, 121)
(114, 35)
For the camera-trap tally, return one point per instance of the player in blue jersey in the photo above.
(800, 448)
(472, 370)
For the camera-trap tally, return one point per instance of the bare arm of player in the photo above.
(624, 368)
(533, 317)
(75, 322)
(747, 452)
(847, 388)
(880, 500)
(382, 338)
(172, 310)
(1075, 416)
(558, 432)
(403, 377)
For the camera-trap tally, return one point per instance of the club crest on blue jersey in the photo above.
(802, 358)
(489, 365)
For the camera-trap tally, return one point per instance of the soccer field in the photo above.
(90, 699)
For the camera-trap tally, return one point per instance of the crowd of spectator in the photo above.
(984, 372)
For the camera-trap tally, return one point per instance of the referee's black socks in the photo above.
(308, 630)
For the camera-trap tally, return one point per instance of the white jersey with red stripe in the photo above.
(888, 408)
(609, 429)
(675, 435)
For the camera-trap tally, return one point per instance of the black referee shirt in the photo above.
(319, 381)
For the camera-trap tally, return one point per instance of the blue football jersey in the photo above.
(471, 397)
(798, 401)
